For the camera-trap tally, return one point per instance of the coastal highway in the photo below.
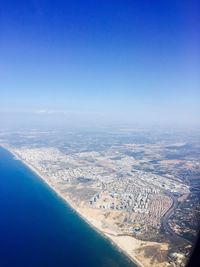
(167, 216)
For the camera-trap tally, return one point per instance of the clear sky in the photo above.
(100, 60)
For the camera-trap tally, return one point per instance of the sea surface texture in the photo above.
(37, 229)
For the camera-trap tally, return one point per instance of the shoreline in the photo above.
(114, 239)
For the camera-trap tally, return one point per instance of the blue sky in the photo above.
(107, 60)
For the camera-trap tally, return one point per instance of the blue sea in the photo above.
(37, 228)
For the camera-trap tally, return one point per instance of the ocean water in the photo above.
(37, 229)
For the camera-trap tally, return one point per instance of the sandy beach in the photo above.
(129, 245)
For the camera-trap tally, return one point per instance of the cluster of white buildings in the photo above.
(118, 188)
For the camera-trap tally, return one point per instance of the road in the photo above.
(167, 216)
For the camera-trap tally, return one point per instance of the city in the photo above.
(124, 189)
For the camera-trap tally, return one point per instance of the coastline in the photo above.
(124, 244)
